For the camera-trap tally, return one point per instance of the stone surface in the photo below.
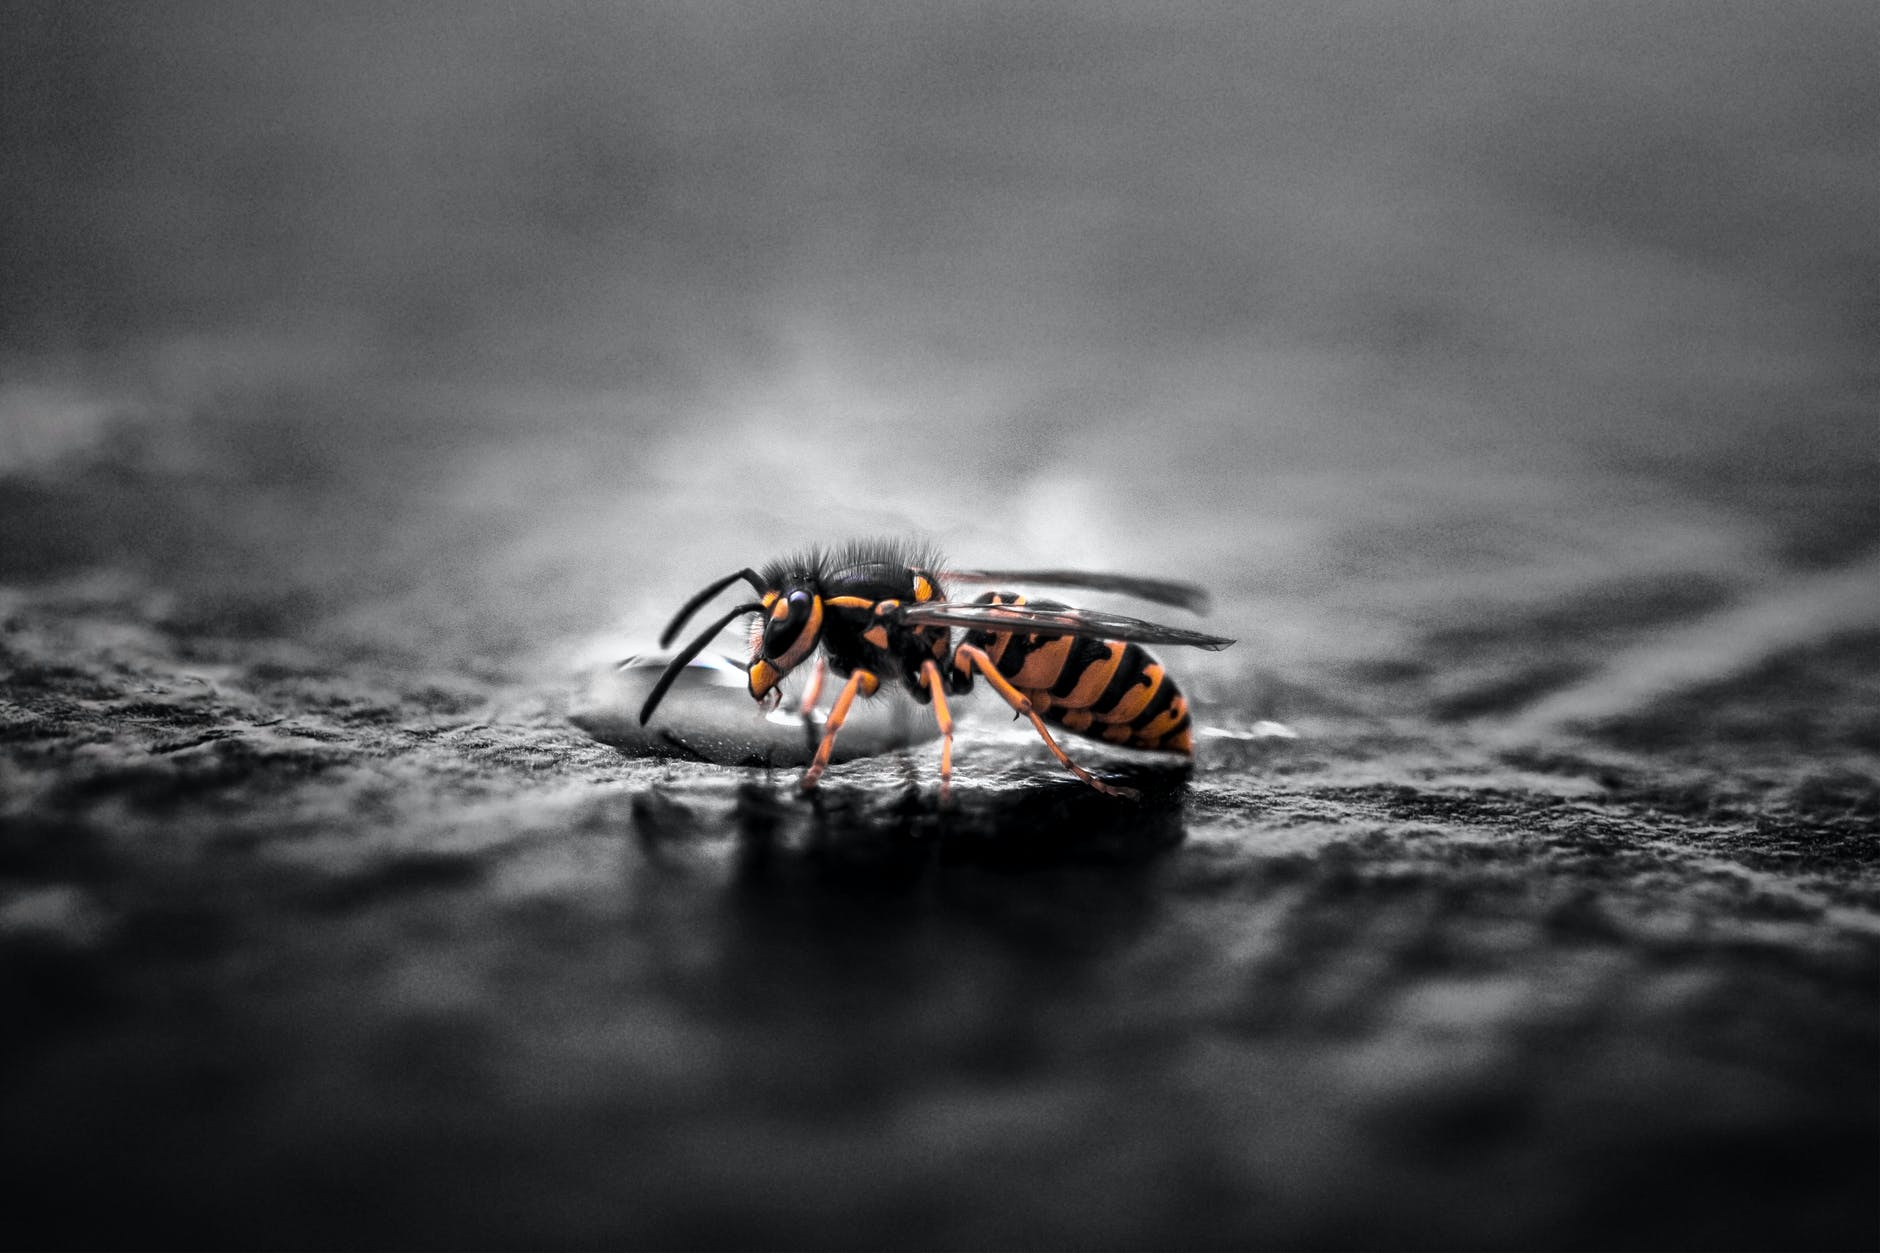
(368, 379)
(304, 945)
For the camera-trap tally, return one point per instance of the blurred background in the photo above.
(369, 372)
(502, 326)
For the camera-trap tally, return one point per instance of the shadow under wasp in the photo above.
(879, 612)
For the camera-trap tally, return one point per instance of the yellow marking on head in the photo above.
(806, 638)
(1044, 664)
(770, 598)
(1137, 698)
(764, 677)
(779, 609)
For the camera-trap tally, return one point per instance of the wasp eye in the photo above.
(789, 617)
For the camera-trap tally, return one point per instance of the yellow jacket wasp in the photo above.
(879, 611)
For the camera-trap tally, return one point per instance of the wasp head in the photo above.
(787, 632)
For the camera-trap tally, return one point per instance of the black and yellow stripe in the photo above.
(939, 640)
(1110, 690)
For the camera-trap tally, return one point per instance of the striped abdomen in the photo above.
(1107, 690)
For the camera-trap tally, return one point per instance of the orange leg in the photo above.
(1022, 703)
(813, 689)
(837, 716)
(944, 717)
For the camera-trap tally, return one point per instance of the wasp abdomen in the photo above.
(1110, 690)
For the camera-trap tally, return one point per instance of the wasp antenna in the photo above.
(684, 659)
(692, 606)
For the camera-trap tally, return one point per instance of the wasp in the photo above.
(879, 612)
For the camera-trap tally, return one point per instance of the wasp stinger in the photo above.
(879, 613)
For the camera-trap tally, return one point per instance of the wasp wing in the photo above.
(1161, 591)
(1027, 620)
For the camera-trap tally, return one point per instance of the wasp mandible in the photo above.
(879, 612)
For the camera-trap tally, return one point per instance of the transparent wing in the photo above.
(1026, 620)
(1161, 591)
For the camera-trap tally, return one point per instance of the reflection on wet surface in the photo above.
(708, 715)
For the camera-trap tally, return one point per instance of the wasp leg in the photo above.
(931, 673)
(1022, 703)
(837, 716)
(813, 690)
(808, 705)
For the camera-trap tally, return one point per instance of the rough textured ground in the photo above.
(315, 935)
(368, 376)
